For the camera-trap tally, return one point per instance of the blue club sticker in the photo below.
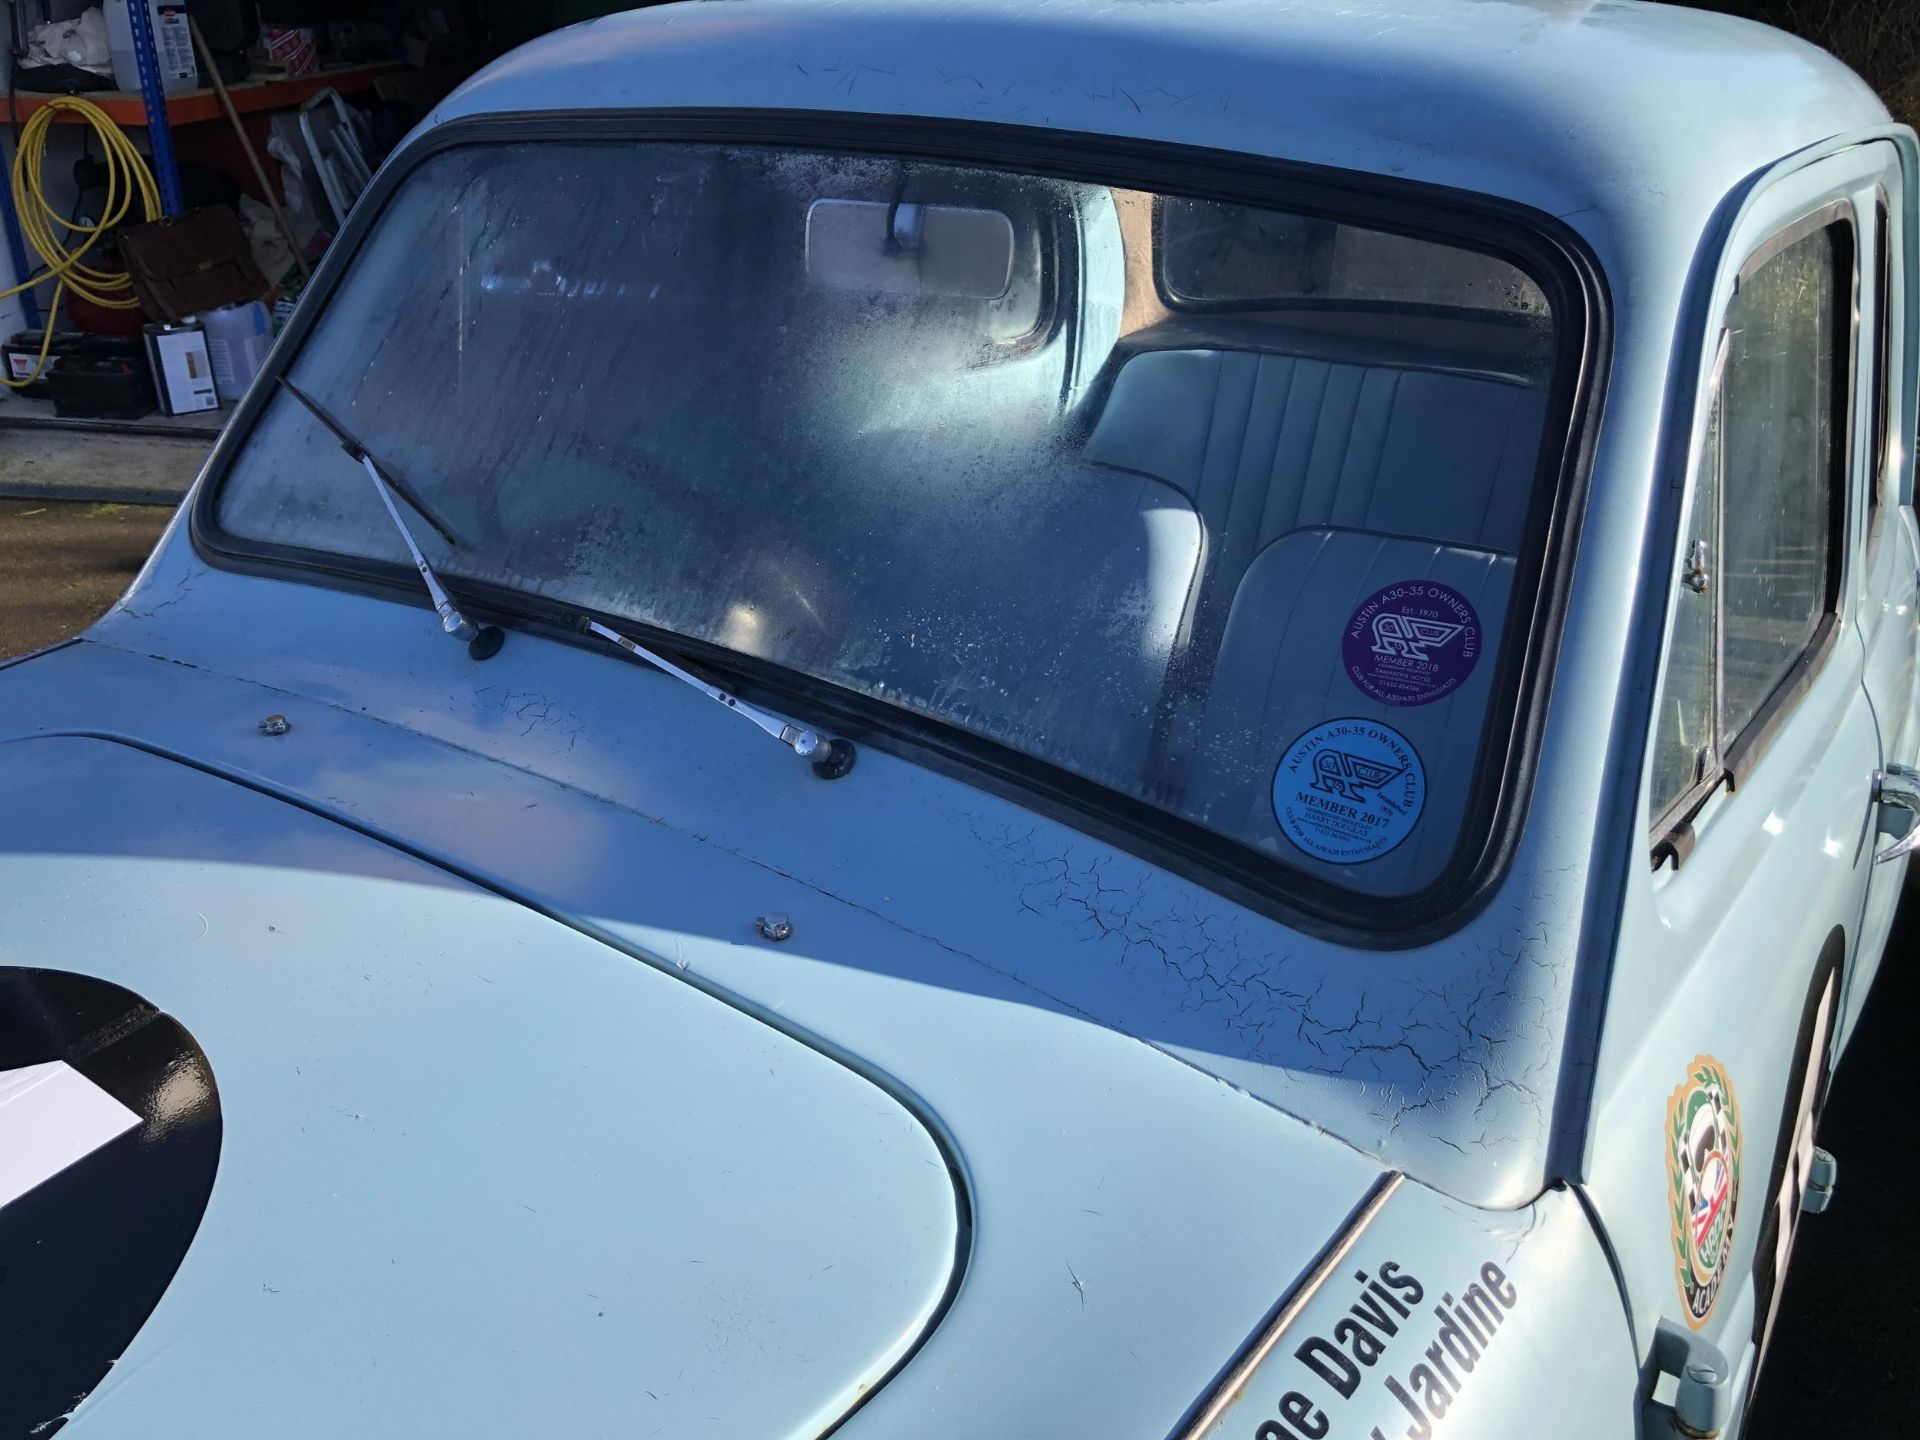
(1349, 791)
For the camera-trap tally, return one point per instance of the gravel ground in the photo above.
(1845, 1357)
(62, 564)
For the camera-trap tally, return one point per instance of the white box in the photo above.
(182, 369)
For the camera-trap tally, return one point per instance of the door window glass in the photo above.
(1778, 398)
(1758, 562)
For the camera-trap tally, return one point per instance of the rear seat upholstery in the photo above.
(1060, 646)
(1318, 482)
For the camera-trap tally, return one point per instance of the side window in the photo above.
(1882, 357)
(1759, 558)
(1784, 431)
(1685, 749)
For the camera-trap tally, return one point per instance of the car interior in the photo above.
(1242, 473)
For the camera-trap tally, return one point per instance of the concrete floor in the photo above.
(1846, 1358)
(93, 465)
(79, 511)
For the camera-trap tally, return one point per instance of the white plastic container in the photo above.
(238, 338)
(172, 44)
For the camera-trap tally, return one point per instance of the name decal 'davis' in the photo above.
(1382, 1331)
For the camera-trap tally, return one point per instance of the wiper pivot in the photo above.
(831, 758)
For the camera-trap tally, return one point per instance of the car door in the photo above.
(1887, 599)
(1737, 928)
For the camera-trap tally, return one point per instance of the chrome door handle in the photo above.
(1898, 787)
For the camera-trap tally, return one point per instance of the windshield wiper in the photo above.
(483, 641)
(831, 758)
(350, 443)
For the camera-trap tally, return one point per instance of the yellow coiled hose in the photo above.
(128, 178)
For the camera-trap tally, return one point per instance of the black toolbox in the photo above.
(21, 353)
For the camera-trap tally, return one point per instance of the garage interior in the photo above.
(177, 168)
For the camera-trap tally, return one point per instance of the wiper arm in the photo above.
(831, 758)
(483, 642)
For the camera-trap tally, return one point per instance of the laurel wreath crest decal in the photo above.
(1703, 1182)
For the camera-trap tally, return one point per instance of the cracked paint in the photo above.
(1455, 1045)
(182, 585)
(533, 712)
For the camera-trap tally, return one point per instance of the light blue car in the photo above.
(1320, 609)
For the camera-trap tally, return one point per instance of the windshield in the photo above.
(1214, 506)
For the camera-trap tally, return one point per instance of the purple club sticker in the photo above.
(1412, 643)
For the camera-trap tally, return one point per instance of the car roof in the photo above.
(1562, 105)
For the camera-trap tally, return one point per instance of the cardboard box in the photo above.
(290, 49)
(182, 369)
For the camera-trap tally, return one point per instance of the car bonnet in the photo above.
(483, 1163)
(474, 1169)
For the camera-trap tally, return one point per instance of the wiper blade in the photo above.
(350, 443)
(831, 758)
(483, 642)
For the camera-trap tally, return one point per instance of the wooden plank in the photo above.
(192, 107)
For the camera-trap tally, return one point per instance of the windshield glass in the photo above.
(1239, 545)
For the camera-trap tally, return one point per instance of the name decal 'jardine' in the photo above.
(1424, 1380)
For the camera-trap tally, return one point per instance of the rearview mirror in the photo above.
(907, 249)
